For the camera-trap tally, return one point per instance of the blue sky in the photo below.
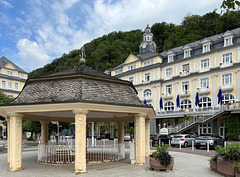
(35, 32)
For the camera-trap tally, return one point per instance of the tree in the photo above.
(32, 126)
(230, 4)
(232, 126)
(4, 99)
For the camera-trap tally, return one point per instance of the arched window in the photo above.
(169, 106)
(205, 128)
(205, 102)
(222, 128)
(147, 93)
(186, 104)
(228, 98)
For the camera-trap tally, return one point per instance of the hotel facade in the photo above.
(171, 80)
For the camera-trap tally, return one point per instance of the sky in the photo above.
(35, 32)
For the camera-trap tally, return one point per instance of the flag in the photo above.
(161, 103)
(220, 96)
(197, 100)
(178, 101)
(145, 102)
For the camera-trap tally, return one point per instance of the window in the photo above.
(169, 89)
(149, 62)
(228, 41)
(204, 83)
(3, 84)
(118, 71)
(147, 93)
(169, 106)
(147, 77)
(205, 128)
(227, 58)
(222, 129)
(227, 79)
(22, 75)
(170, 58)
(16, 86)
(205, 102)
(205, 64)
(131, 79)
(131, 67)
(228, 99)
(187, 53)
(185, 86)
(10, 73)
(206, 48)
(185, 68)
(186, 104)
(9, 84)
(169, 72)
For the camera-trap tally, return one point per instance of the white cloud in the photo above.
(6, 4)
(32, 54)
(49, 30)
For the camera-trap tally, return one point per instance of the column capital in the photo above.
(44, 121)
(140, 115)
(7, 119)
(80, 111)
(14, 114)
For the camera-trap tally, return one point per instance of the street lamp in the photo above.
(159, 127)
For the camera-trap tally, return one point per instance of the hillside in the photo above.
(110, 50)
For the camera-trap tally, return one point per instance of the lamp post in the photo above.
(159, 128)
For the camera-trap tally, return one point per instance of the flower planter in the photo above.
(213, 165)
(156, 165)
(225, 167)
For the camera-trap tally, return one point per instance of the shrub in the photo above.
(230, 152)
(237, 167)
(30, 139)
(162, 154)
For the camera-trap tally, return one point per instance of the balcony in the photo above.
(184, 73)
(204, 91)
(168, 77)
(224, 65)
(167, 96)
(226, 88)
(146, 81)
(148, 98)
(185, 93)
(203, 70)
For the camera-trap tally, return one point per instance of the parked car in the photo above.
(154, 139)
(213, 139)
(184, 139)
(127, 137)
(164, 138)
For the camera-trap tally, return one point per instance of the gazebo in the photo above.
(77, 95)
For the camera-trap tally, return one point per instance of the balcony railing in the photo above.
(226, 88)
(184, 94)
(203, 70)
(148, 98)
(184, 73)
(167, 96)
(223, 65)
(203, 91)
(168, 77)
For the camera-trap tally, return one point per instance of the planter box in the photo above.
(226, 168)
(213, 165)
(156, 165)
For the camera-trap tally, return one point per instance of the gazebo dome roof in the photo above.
(80, 84)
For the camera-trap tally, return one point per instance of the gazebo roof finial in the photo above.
(82, 54)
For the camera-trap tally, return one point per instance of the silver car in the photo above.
(184, 139)
(213, 140)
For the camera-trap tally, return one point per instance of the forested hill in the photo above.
(110, 50)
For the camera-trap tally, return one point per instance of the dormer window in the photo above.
(228, 38)
(131, 67)
(206, 48)
(147, 63)
(118, 71)
(206, 45)
(187, 51)
(171, 55)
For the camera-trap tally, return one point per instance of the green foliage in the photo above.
(4, 99)
(237, 166)
(129, 129)
(230, 4)
(232, 125)
(162, 154)
(31, 126)
(30, 139)
(230, 152)
(185, 117)
(111, 50)
(213, 159)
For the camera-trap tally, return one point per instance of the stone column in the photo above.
(8, 137)
(147, 137)
(80, 140)
(15, 141)
(44, 131)
(120, 132)
(139, 140)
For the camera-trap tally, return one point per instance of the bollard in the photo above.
(207, 146)
(180, 145)
(169, 143)
(225, 143)
(151, 143)
(192, 145)
(159, 143)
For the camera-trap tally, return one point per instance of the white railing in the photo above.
(64, 153)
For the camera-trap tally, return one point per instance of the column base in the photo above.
(80, 171)
(15, 169)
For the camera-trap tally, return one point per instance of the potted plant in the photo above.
(213, 163)
(237, 169)
(227, 159)
(161, 159)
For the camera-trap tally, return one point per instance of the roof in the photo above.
(80, 84)
(4, 61)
